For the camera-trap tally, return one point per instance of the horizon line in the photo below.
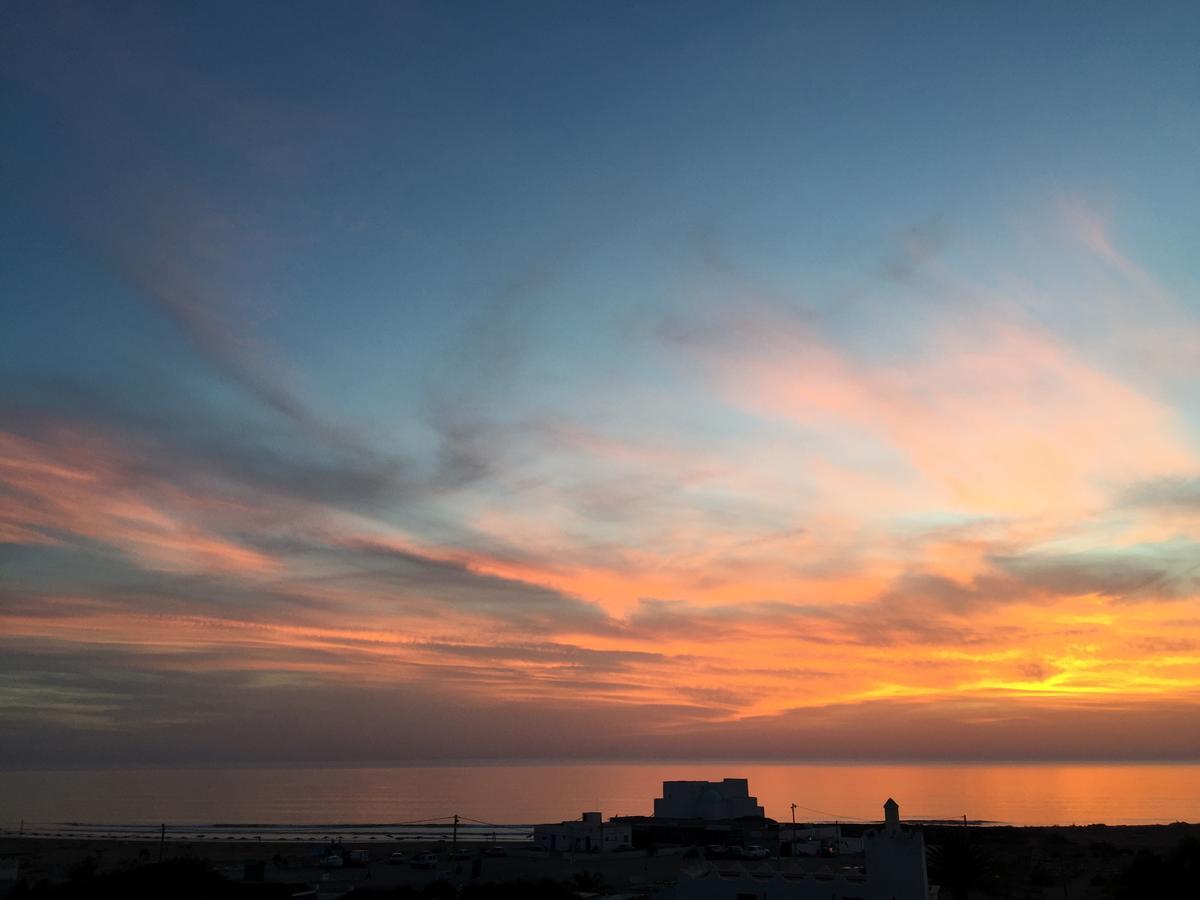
(521, 762)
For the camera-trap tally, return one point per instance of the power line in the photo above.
(430, 821)
(489, 824)
(835, 815)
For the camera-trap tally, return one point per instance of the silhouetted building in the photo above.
(587, 834)
(820, 840)
(892, 867)
(727, 799)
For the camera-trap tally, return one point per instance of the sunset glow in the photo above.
(451, 410)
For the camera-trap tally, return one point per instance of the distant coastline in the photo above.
(1013, 793)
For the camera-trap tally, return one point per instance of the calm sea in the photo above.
(1024, 794)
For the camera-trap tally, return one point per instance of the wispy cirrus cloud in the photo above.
(951, 509)
(992, 416)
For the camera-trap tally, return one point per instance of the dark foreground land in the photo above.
(1066, 863)
(1096, 861)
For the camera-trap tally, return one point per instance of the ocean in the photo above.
(250, 799)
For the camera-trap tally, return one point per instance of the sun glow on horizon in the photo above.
(594, 404)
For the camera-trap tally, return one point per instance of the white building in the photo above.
(587, 834)
(727, 799)
(893, 869)
(817, 840)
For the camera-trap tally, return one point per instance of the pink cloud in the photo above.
(995, 419)
(80, 483)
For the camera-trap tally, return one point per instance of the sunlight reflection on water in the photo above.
(1025, 794)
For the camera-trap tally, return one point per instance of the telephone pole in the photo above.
(454, 857)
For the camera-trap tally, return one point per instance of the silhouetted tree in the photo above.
(1173, 876)
(589, 882)
(958, 864)
(83, 870)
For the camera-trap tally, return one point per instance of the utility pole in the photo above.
(792, 843)
(454, 857)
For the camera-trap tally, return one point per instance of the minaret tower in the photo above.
(891, 816)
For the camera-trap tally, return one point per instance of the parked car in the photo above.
(332, 861)
(396, 859)
(424, 861)
(461, 853)
(714, 851)
(495, 850)
(756, 852)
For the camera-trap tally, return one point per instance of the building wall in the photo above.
(810, 840)
(728, 799)
(583, 836)
(895, 870)
(896, 861)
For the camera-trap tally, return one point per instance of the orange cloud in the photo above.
(80, 484)
(973, 524)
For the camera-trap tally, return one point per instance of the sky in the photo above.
(395, 381)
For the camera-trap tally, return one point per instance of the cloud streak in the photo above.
(407, 391)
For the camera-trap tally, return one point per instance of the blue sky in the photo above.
(417, 339)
